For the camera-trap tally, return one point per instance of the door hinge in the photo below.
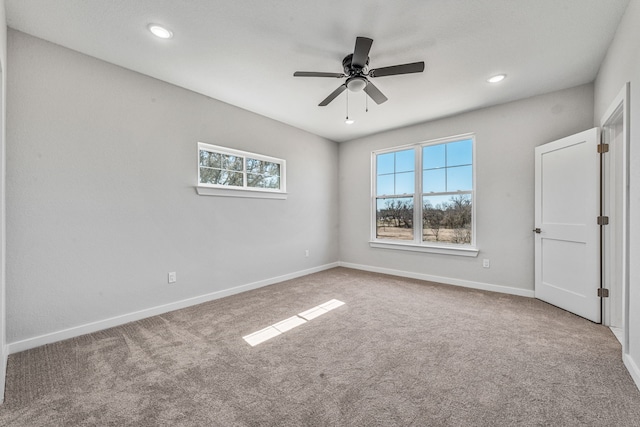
(603, 220)
(603, 148)
(603, 293)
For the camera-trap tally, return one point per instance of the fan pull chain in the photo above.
(366, 103)
(347, 105)
(348, 121)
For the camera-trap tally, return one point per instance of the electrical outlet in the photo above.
(485, 263)
(306, 253)
(172, 277)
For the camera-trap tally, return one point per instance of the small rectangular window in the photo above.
(433, 206)
(220, 167)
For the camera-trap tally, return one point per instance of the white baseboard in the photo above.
(633, 369)
(88, 328)
(3, 370)
(445, 280)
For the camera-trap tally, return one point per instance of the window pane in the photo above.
(384, 185)
(209, 176)
(459, 153)
(210, 159)
(405, 183)
(394, 218)
(254, 165)
(263, 167)
(220, 177)
(395, 173)
(459, 178)
(233, 163)
(385, 163)
(233, 179)
(254, 180)
(433, 156)
(405, 161)
(263, 181)
(271, 182)
(447, 219)
(433, 181)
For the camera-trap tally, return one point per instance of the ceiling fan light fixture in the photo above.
(356, 84)
(160, 31)
(497, 78)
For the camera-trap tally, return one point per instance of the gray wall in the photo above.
(622, 65)
(101, 174)
(505, 139)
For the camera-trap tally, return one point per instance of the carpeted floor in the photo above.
(400, 352)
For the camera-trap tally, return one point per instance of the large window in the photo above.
(226, 168)
(423, 194)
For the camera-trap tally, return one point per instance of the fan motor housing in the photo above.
(348, 69)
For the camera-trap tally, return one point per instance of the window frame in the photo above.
(417, 244)
(206, 189)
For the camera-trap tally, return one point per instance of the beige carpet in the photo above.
(400, 352)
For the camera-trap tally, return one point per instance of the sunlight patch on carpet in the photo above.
(312, 313)
(290, 323)
(261, 336)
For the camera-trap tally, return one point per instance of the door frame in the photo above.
(618, 109)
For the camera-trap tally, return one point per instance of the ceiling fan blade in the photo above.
(414, 67)
(375, 93)
(316, 74)
(361, 52)
(333, 95)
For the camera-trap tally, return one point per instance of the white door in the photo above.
(567, 239)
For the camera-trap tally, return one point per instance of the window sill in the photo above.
(251, 194)
(444, 250)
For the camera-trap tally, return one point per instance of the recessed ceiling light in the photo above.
(160, 31)
(496, 79)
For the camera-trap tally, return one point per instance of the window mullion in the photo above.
(446, 167)
(244, 172)
(417, 203)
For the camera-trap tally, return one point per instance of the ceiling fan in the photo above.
(357, 72)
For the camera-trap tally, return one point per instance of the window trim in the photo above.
(205, 189)
(417, 244)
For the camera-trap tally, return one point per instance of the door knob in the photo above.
(537, 230)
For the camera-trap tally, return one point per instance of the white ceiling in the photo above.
(244, 52)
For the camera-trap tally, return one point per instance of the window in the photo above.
(423, 196)
(228, 172)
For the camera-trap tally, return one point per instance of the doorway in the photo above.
(580, 255)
